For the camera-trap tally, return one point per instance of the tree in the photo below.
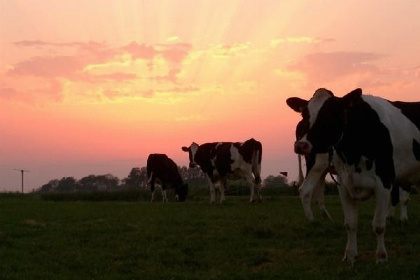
(98, 182)
(50, 186)
(66, 184)
(136, 178)
(275, 181)
(194, 176)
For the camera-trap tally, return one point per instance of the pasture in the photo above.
(42, 239)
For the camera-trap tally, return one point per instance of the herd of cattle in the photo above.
(370, 143)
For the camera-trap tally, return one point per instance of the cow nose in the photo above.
(302, 147)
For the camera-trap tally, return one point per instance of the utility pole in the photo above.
(22, 171)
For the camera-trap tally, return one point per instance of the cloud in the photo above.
(40, 43)
(8, 92)
(229, 50)
(50, 89)
(298, 40)
(191, 118)
(142, 51)
(95, 64)
(54, 66)
(118, 76)
(320, 68)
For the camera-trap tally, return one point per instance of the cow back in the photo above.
(164, 168)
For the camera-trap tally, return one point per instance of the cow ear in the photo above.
(185, 149)
(353, 97)
(297, 104)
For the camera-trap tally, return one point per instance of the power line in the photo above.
(22, 171)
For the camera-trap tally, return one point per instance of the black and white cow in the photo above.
(163, 170)
(376, 148)
(312, 186)
(227, 160)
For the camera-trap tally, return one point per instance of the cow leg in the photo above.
(257, 186)
(252, 187)
(404, 198)
(379, 221)
(306, 191)
(153, 195)
(222, 191)
(152, 187)
(391, 211)
(351, 215)
(319, 197)
(164, 196)
(212, 193)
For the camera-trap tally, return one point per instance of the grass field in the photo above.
(195, 240)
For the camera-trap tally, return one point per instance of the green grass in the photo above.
(42, 239)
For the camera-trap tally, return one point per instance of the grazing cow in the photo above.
(376, 147)
(163, 170)
(226, 160)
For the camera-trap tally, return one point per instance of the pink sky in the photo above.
(93, 87)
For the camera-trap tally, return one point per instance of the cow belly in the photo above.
(407, 166)
(408, 174)
(360, 185)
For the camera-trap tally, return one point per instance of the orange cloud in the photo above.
(75, 61)
(321, 68)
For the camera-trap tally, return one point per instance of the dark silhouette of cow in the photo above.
(163, 170)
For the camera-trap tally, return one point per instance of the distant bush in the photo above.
(12, 195)
(120, 195)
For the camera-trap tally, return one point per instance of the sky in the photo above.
(94, 87)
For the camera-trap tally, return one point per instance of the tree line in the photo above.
(137, 179)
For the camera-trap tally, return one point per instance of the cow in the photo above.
(312, 186)
(376, 146)
(227, 160)
(163, 170)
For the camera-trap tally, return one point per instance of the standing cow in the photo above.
(227, 160)
(313, 185)
(163, 170)
(376, 147)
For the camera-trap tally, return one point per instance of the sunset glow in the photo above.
(93, 87)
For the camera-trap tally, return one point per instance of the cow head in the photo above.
(324, 118)
(181, 192)
(192, 150)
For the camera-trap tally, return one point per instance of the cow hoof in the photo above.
(404, 220)
(381, 257)
(350, 257)
(310, 219)
(378, 261)
(326, 215)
